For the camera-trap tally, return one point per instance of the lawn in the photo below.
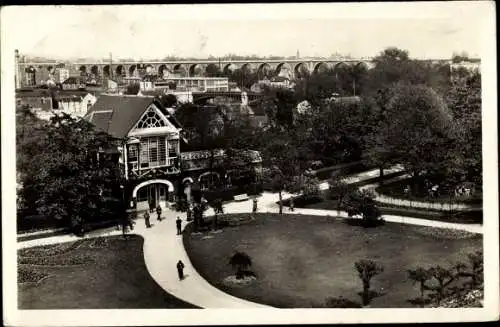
(301, 260)
(101, 273)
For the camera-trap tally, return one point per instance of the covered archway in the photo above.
(264, 70)
(132, 71)
(120, 71)
(83, 70)
(106, 71)
(321, 67)
(163, 71)
(94, 70)
(195, 70)
(301, 70)
(229, 68)
(153, 192)
(283, 69)
(180, 69)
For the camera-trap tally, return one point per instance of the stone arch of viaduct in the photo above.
(293, 68)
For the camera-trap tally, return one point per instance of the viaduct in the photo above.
(192, 68)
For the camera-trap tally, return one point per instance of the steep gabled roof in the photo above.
(117, 114)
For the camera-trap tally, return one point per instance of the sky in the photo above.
(426, 30)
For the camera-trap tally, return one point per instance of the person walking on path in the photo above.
(151, 206)
(178, 223)
(291, 205)
(180, 269)
(158, 211)
(254, 209)
(146, 220)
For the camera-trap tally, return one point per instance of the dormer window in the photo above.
(151, 119)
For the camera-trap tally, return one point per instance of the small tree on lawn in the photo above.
(443, 278)
(476, 272)
(241, 262)
(420, 276)
(367, 269)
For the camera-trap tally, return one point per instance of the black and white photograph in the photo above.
(161, 161)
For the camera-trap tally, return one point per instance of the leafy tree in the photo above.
(132, 89)
(367, 269)
(459, 57)
(168, 100)
(420, 276)
(416, 120)
(465, 155)
(477, 268)
(316, 87)
(286, 156)
(213, 70)
(243, 78)
(279, 106)
(76, 178)
(443, 277)
(241, 262)
(338, 190)
(363, 203)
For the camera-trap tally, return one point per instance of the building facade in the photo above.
(75, 103)
(149, 140)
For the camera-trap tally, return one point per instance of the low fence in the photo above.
(441, 205)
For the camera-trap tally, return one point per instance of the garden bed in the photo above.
(99, 273)
(323, 202)
(395, 190)
(302, 260)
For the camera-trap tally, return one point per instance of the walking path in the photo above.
(163, 248)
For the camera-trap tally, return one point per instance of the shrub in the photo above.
(241, 262)
(363, 203)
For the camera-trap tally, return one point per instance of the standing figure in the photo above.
(158, 211)
(180, 269)
(151, 206)
(146, 219)
(254, 209)
(292, 207)
(189, 213)
(178, 223)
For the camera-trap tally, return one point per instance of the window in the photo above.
(42, 100)
(132, 153)
(151, 119)
(144, 153)
(172, 148)
(152, 152)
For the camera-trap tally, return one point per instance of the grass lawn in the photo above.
(101, 273)
(301, 260)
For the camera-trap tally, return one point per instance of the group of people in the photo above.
(151, 210)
